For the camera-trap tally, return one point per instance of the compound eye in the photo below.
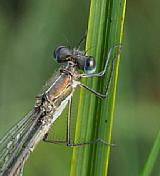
(61, 53)
(90, 65)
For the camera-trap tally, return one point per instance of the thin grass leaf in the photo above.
(95, 116)
(152, 157)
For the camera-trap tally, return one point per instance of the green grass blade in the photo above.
(95, 116)
(152, 157)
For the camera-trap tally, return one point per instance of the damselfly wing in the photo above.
(20, 141)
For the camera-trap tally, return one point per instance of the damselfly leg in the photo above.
(98, 94)
(68, 135)
(68, 131)
(101, 73)
(82, 40)
(68, 142)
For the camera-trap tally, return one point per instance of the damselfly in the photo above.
(20, 141)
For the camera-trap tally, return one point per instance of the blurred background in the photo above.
(30, 30)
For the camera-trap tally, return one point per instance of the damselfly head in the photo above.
(83, 62)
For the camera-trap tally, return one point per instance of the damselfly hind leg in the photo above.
(68, 131)
(68, 142)
(73, 144)
(68, 134)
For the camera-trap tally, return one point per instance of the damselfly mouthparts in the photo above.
(20, 141)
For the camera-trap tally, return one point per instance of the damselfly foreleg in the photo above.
(82, 40)
(101, 73)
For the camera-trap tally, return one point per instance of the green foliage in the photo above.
(30, 31)
(95, 116)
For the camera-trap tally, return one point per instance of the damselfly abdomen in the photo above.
(18, 142)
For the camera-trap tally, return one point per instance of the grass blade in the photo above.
(95, 116)
(152, 157)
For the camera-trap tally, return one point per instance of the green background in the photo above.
(29, 32)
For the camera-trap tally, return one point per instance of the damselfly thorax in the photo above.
(17, 144)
